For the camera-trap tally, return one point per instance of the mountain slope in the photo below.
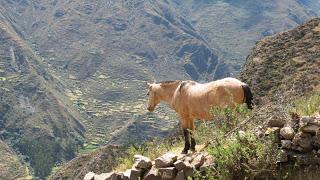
(233, 26)
(34, 118)
(86, 70)
(286, 64)
(10, 165)
(275, 64)
(104, 52)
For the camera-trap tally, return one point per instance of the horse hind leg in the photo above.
(193, 143)
(191, 128)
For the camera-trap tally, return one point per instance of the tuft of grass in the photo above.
(306, 106)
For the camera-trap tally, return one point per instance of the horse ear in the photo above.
(148, 84)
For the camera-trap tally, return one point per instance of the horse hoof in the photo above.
(184, 152)
(193, 150)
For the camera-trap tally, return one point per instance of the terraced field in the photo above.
(116, 107)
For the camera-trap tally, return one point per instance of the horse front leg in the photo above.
(186, 141)
(188, 127)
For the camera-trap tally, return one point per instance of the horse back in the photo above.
(195, 100)
(226, 92)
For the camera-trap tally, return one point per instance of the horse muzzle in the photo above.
(151, 109)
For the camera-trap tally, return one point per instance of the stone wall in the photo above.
(299, 140)
(169, 166)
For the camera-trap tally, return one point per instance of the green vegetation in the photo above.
(237, 151)
(306, 106)
(11, 166)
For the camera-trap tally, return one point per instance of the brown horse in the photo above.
(192, 100)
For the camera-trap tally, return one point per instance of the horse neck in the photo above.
(167, 91)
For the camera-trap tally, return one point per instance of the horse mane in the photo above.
(165, 83)
(184, 83)
(169, 82)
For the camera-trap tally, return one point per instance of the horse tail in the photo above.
(248, 97)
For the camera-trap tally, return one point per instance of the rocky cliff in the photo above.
(286, 64)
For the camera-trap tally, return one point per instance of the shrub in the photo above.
(241, 154)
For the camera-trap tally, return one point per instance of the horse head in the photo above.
(154, 98)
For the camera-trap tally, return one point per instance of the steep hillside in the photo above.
(235, 25)
(104, 52)
(34, 118)
(102, 160)
(10, 165)
(286, 64)
(86, 70)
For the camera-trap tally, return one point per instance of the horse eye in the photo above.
(148, 93)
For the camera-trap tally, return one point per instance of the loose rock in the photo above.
(316, 140)
(286, 144)
(107, 176)
(135, 174)
(311, 128)
(126, 174)
(302, 140)
(142, 162)
(180, 176)
(152, 174)
(165, 160)
(305, 120)
(188, 171)
(208, 163)
(287, 133)
(180, 165)
(198, 161)
(89, 176)
(168, 172)
(274, 122)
